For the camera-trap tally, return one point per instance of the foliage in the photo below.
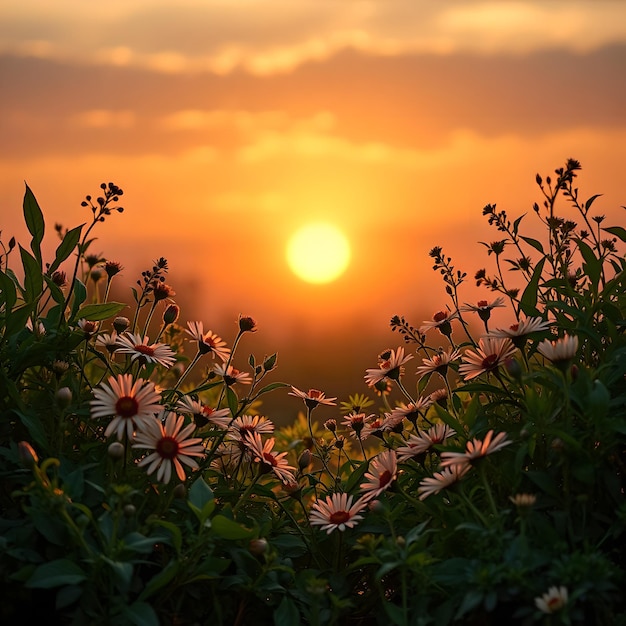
(141, 489)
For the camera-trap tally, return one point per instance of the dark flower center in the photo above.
(490, 362)
(270, 459)
(126, 407)
(385, 478)
(143, 349)
(339, 517)
(167, 448)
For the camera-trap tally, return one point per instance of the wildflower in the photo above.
(441, 480)
(391, 366)
(523, 501)
(441, 321)
(383, 471)
(132, 403)
(269, 460)
(143, 351)
(161, 290)
(374, 427)
(483, 308)
(552, 601)
(312, 397)
(356, 422)
(108, 342)
(438, 363)
(112, 268)
(171, 444)
(331, 425)
(492, 352)
(203, 414)
(246, 425)
(411, 411)
(59, 278)
(232, 375)
(439, 396)
(475, 450)
(356, 404)
(560, 351)
(247, 324)
(337, 512)
(27, 455)
(209, 341)
(171, 313)
(88, 327)
(518, 332)
(424, 440)
(120, 324)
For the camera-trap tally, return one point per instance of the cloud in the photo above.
(104, 118)
(271, 37)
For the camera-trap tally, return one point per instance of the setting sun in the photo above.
(318, 253)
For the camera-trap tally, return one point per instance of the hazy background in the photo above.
(231, 123)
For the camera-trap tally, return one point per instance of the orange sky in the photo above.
(231, 123)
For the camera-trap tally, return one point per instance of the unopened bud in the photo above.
(64, 397)
(180, 491)
(120, 324)
(116, 450)
(96, 274)
(304, 460)
(171, 313)
(27, 455)
(129, 510)
(258, 547)
(513, 368)
(247, 324)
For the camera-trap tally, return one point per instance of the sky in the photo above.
(230, 124)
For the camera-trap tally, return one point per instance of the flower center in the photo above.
(439, 316)
(270, 459)
(483, 303)
(339, 517)
(514, 327)
(384, 479)
(490, 362)
(126, 406)
(144, 349)
(167, 448)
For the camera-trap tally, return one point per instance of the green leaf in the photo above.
(528, 303)
(55, 574)
(200, 493)
(161, 580)
(229, 529)
(33, 278)
(534, 243)
(141, 614)
(70, 241)
(34, 222)
(177, 536)
(35, 428)
(271, 387)
(80, 295)
(618, 231)
(592, 265)
(233, 401)
(591, 201)
(122, 571)
(287, 614)
(8, 291)
(98, 312)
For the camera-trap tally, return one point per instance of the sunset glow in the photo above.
(318, 253)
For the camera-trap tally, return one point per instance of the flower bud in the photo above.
(180, 491)
(513, 368)
(27, 455)
(120, 324)
(116, 450)
(64, 397)
(129, 510)
(258, 547)
(247, 324)
(304, 460)
(96, 274)
(171, 313)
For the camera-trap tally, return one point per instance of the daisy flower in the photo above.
(203, 414)
(411, 411)
(246, 425)
(337, 512)
(391, 366)
(552, 601)
(271, 461)
(424, 440)
(522, 328)
(88, 327)
(438, 363)
(483, 308)
(491, 353)
(441, 480)
(475, 450)
(560, 351)
(108, 342)
(440, 396)
(383, 471)
(140, 349)
(232, 375)
(312, 397)
(171, 445)
(356, 422)
(441, 321)
(132, 403)
(209, 341)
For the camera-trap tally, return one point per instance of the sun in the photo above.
(318, 253)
